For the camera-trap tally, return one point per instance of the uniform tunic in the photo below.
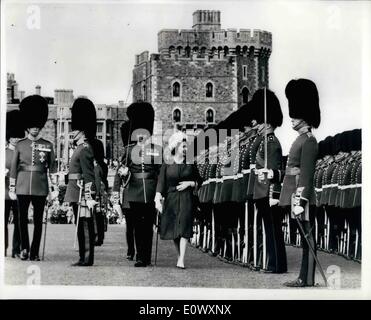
(300, 170)
(211, 178)
(8, 162)
(274, 162)
(81, 167)
(177, 216)
(30, 163)
(254, 145)
(144, 162)
(326, 182)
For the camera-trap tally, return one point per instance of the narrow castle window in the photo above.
(177, 115)
(209, 90)
(245, 95)
(176, 89)
(244, 72)
(209, 116)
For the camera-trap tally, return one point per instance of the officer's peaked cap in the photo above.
(34, 110)
(303, 99)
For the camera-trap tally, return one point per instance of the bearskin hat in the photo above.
(14, 125)
(327, 146)
(244, 115)
(336, 144)
(141, 115)
(98, 149)
(125, 133)
(84, 117)
(34, 110)
(274, 112)
(356, 139)
(303, 99)
(321, 149)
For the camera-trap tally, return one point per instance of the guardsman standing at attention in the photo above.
(80, 191)
(14, 132)
(144, 160)
(267, 186)
(101, 186)
(298, 185)
(121, 181)
(33, 159)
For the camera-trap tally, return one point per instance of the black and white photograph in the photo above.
(185, 150)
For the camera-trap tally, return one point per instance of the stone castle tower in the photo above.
(201, 75)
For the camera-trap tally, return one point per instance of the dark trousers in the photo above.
(308, 264)
(275, 246)
(144, 217)
(129, 218)
(38, 203)
(85, 236)
(99, 225)
(12, 205)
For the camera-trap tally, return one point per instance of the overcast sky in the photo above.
(90, 47)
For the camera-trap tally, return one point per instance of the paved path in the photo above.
(112, 269)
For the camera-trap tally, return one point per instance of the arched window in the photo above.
(177, 115)
(187, 51)
(144, 92)
(245, 95)
(176, 89)
(209, 90)
(209, 116)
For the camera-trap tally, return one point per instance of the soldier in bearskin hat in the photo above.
(142, 160)
(122, 200)
(101, 186)
(14, 132)
(267, 186)
(81, 186)
(298, 185)
(33, 158)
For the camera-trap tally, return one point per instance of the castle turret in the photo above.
(206, 20)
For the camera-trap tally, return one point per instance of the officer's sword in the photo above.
(311, 248)
(79, 184)
(46, 207)
(46, 224)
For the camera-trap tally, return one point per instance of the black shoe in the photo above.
(16, 255)
(130, 257)
(24, 255)
(81, 264)
(297, 283)
(140, 264)
(34, 258)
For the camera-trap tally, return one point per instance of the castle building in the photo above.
(200, 75)
(58, 126)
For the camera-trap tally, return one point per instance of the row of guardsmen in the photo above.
(31, 178)
(233, 223)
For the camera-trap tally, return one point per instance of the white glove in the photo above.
(158, 206)
(264, 174)
(273, 202)
(184, 185)
(158, 202)
(91, 204)
(123, 171)
(12, 194)
(298, 210)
